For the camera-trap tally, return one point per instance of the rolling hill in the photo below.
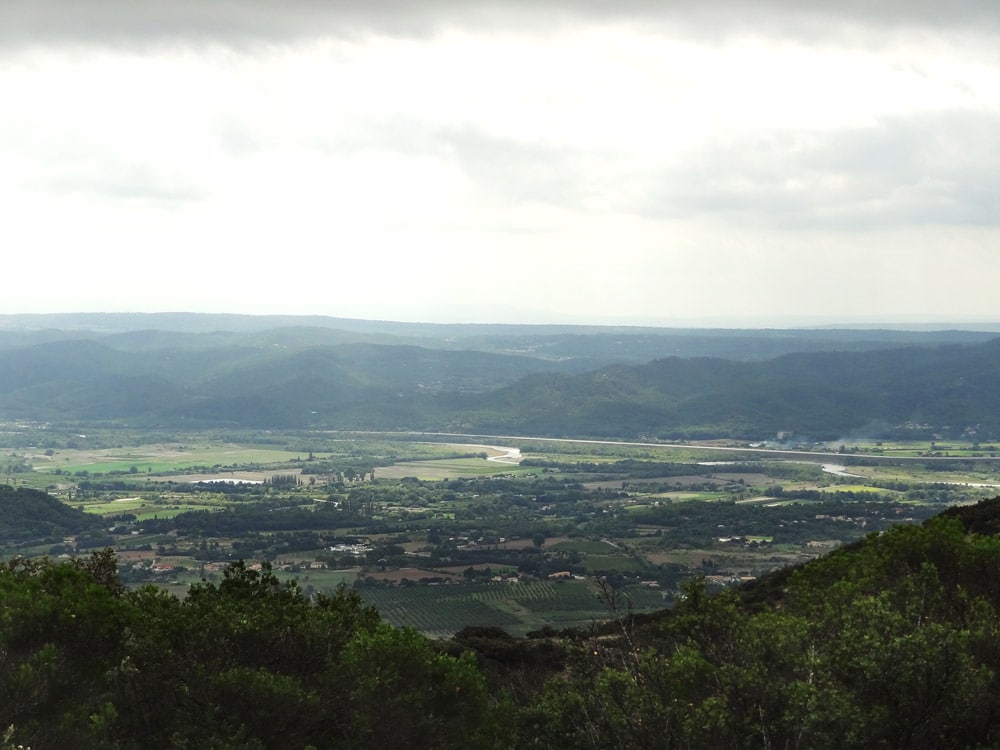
(510, 380)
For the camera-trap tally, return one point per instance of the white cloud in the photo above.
(471, 161)
(252, 21)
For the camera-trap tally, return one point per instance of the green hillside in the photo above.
(888, 643)
(29, 514)
(915, 391)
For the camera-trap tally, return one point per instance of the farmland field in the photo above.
(437, 469)
(440, 611)
(434, 533)
(162, 458)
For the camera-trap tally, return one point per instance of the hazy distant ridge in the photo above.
(601, 382)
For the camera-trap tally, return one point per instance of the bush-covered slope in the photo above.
(889, 643)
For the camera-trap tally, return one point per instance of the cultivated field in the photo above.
(436, 534)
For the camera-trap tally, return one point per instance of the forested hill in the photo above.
(301, 378)
(827, 395)
(28, 514)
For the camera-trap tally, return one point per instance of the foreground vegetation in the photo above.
(247, 663)
(888, 643)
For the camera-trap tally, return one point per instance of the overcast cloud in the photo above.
(637, 162)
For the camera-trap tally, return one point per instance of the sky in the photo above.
(641, 162)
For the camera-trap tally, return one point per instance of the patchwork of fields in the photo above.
(438, 536)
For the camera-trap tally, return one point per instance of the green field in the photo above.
(584, 546)
(143, 508)
(613, 563)
(859, 488)
(320, 580)
(162, 459)
(426, 461)
(452, 468)
(440, 611)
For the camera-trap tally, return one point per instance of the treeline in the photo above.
(932, 493)
(242, 519)
(827, 516)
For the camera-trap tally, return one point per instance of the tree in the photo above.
(61, 631)
(435, 700)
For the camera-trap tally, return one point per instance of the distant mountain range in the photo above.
(175, 370)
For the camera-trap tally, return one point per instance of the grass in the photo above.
(143, 508)
(449, 468)
(705, 497)
(166, 511)
(163, 459)
(440, 611)
(858, 488)
(613, 563)
(322, 580)
(585, 547)
(114, 507)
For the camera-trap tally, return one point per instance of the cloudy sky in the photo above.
(664, 163)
